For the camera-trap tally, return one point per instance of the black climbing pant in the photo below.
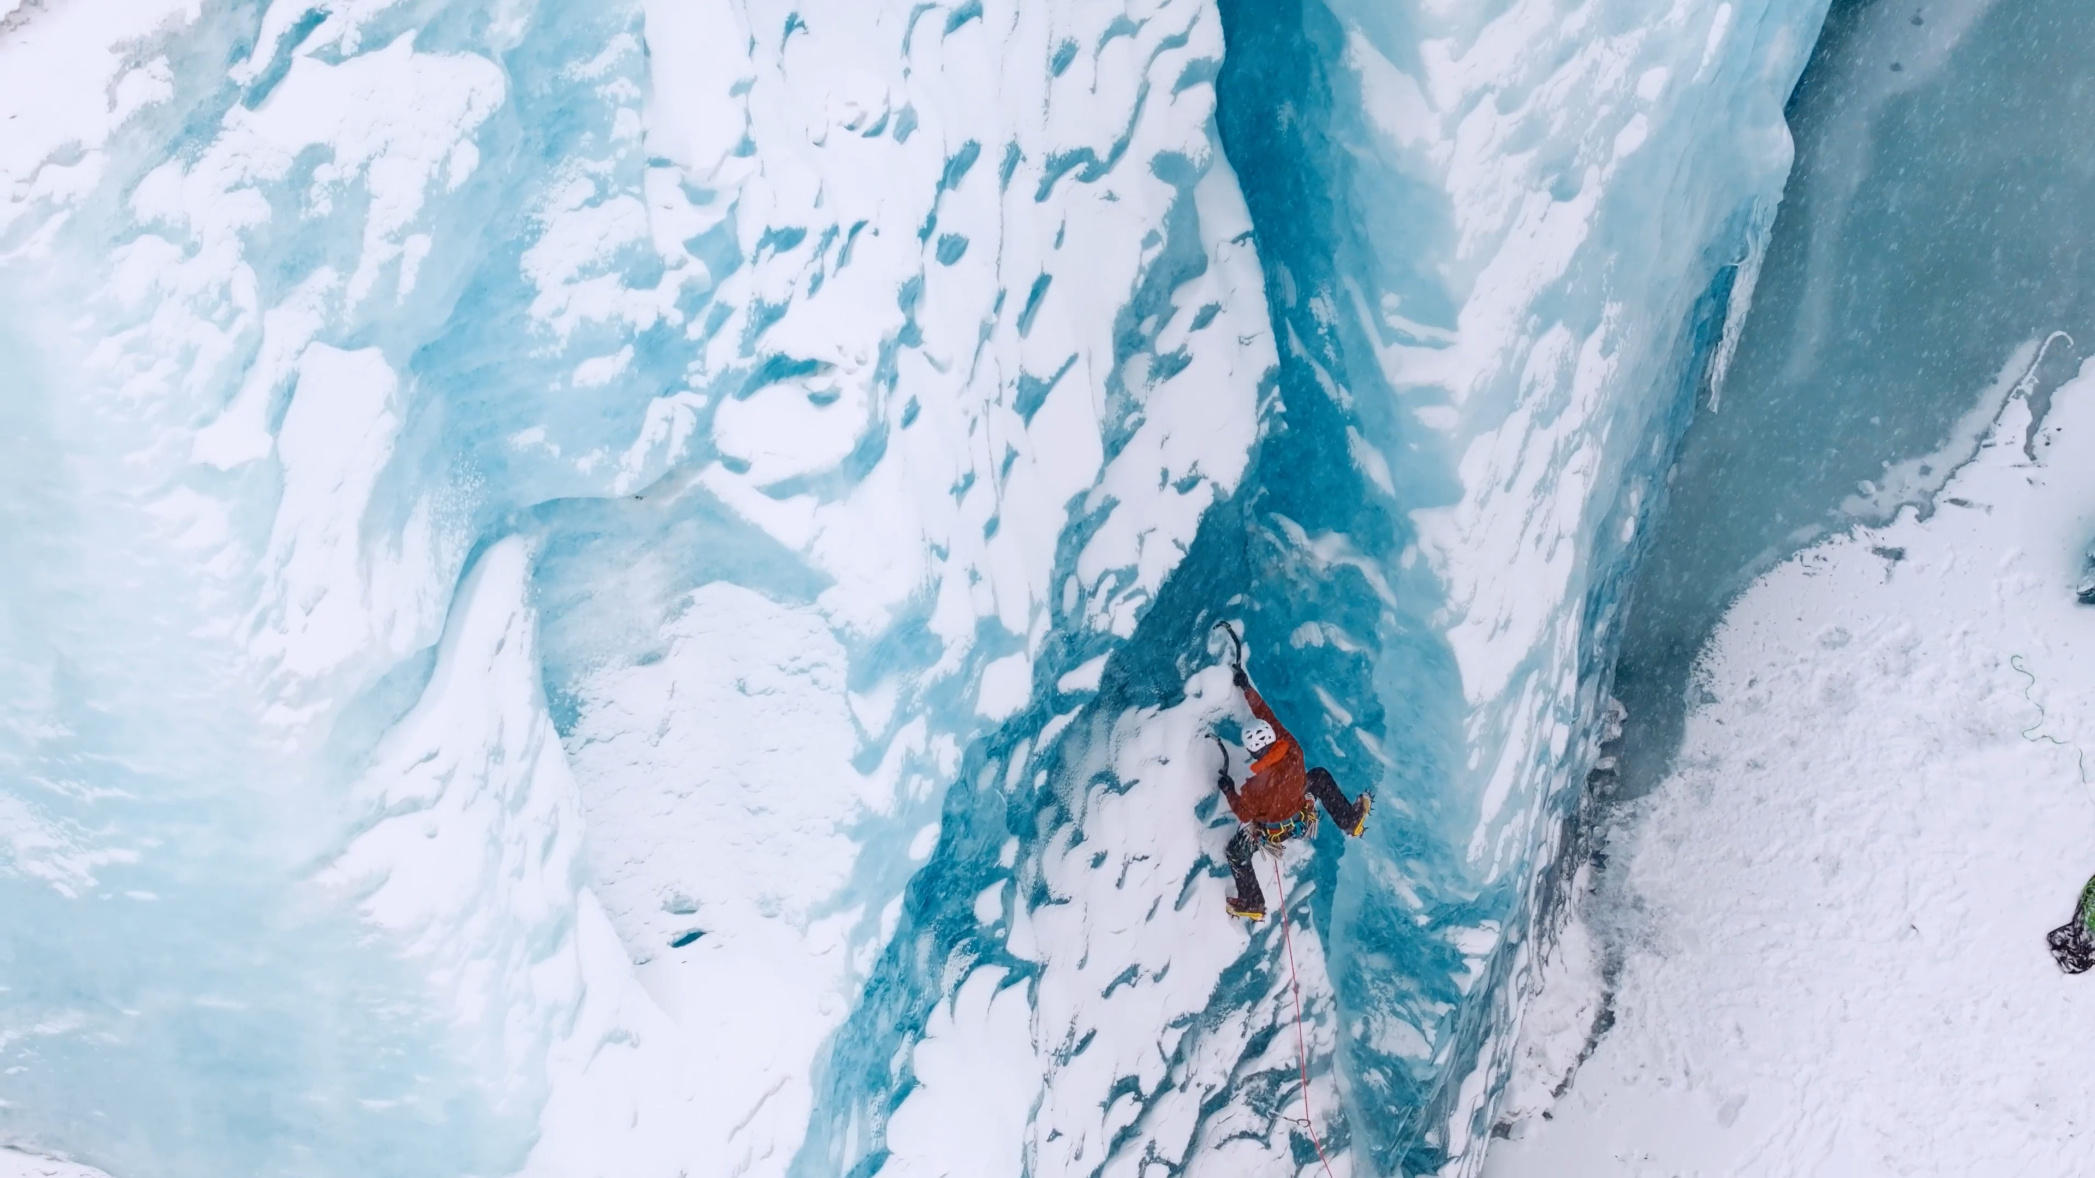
(1245, 844)
(1326, 791)
(1242, 847)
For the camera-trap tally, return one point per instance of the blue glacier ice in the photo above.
(1929, 256)
(631, 588)
(1918, 335)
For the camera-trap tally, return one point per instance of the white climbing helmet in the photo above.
(1258, 737)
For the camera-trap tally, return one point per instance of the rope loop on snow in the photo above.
(2028, 383)
(2080, 755)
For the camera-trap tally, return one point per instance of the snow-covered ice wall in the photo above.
(567, 487)
(626, 588)
(1931, 240)
(1506, 247)
(1903, 384)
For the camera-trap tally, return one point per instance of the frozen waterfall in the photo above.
(625, 589)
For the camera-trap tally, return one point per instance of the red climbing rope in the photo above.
(1309, 1119)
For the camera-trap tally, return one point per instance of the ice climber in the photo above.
(1274, 803)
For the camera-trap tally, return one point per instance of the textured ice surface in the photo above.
(627, 588)
(16, 1163)
(572, 502)
(1931, 241)
(1871, 784)
(1832, 913)
(1502, 247)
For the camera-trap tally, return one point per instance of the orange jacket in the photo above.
(1278, 785)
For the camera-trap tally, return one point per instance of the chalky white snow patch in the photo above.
(15, 1163)
(1831, 916)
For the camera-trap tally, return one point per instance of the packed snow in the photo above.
(15, 1163)
(1819, 945)
(1893, 289)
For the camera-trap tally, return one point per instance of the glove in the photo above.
(1222, 781)
(1242, 680)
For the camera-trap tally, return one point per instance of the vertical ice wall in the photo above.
(1924, 292)
(626, 587)
(1931, 242)
(995, 352)
(1504, 251)
(182, 625)
(528, 509)
(1505, 246)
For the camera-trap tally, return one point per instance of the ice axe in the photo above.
(1237, 659)
(1222, 780)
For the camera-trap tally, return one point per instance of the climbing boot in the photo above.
(1367, 802)
(1250, 912)
(2072, 948)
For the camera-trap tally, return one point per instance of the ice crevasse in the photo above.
(627, 589)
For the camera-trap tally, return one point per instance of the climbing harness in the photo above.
(1273, 837)
(1237, 660)
(1300, 825)
(1309, 1121)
